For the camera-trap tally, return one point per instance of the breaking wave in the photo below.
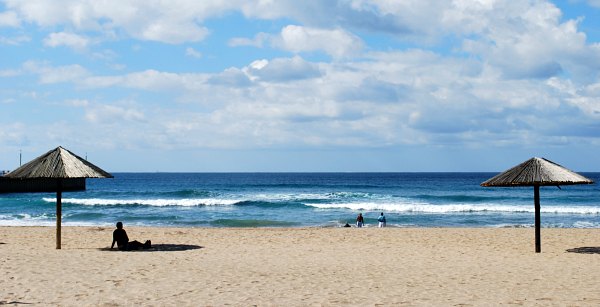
(147, 202)
(454, 208)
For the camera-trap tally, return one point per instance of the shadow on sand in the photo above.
(585, 250)
(160, 248)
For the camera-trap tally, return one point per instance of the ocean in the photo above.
(305, 200)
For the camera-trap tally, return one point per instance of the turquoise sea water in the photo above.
(306, 199)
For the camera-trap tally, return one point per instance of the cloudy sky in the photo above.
(286, 85)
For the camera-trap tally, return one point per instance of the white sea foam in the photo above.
(388, 205)
(305, 196)
(190, 202)
(47, 223)
(26, 223)
(582, 224)
(24, 219)
(454, 208)
(147, 202)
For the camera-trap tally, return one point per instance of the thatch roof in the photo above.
(58, 163)
(536, 171)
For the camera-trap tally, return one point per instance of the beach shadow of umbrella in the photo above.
(585, 250)
(536, 172)
(58, 164)
(161, 248)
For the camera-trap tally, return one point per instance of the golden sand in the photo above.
(301, 266)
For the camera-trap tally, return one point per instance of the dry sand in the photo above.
(301, 266)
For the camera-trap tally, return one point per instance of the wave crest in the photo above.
(147, 202)
(453, 208)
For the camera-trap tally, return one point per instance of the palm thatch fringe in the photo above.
(536, 172)
(58, 163)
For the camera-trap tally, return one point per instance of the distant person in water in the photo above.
(120, 237)
(381, 220)
(359, 220)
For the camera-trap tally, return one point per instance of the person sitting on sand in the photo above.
(381, 220)
(120, 237)
(359, 220)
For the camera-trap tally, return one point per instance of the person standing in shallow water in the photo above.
(381, 220)
(120, 237)
(359, 220)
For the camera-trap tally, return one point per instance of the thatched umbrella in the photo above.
(536, 172)
(58, 163)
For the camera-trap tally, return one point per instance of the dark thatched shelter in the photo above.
(536, 172)
(58, 164)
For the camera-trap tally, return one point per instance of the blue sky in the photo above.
(348, 85)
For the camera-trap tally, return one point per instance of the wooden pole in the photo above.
(58, 212)
(538, 240)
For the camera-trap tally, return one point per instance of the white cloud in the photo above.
(585, 98)
(8, 100)
(189, 51)
(50, 74)
(14, 134)
(522, 39)
(172, 32)
(15, 41)
(388, 98)
(230, 77)
(283, 70)
(77, 102)
(101, 81)
(111, 114)
(594, 3)
(410, 19)
(517, 71)
(148, 80)
(41, 12)
(337, 43)
(9, 19)
(171, 22)
(157, 80)
(9, 73)
(258, 40)
(71, 40)
(105, 55)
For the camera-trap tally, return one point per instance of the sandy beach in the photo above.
(301, 266)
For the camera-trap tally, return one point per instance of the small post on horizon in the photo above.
(20, 157)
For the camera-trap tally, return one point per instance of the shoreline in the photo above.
(325, 226)
(301, 266)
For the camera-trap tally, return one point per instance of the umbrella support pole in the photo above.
(538, 240)
(58, 213)
(58, 166)
(536, 172)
